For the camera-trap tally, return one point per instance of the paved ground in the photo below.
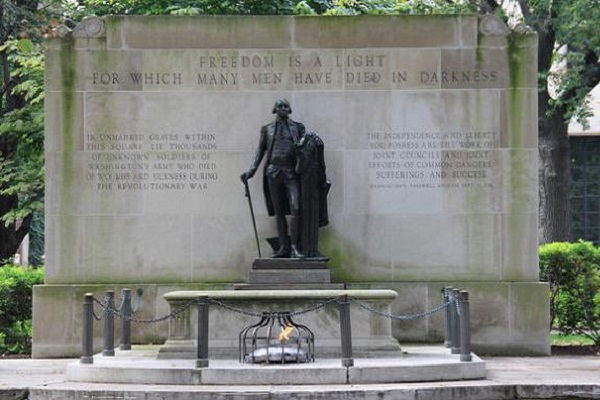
(507, 378)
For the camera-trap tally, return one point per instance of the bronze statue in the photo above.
(294, 182)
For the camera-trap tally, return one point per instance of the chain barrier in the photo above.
(234, 309)
(138, 303)
(452, 300)
(457, 305)
(315, 308)
(410, 317)
(96, 317)
(120, 308)
(121, 300)
(259, 315)
(119, 314)
(102, 305)
(459, 341)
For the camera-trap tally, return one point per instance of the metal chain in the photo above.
(96, 317)
(121, 301)
(412, 317)
(259, 315)
(456, 301)
(235, 310)
(138, 303)
(315, 308)
(119, 314)
(452, 300)
(121, 305)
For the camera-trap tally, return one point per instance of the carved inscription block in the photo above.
(428, 142)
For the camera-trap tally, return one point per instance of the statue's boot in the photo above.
(284, 246)
(295, 237)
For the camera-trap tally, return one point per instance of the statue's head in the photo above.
(282, 108)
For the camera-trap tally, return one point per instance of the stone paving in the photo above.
(507, 378)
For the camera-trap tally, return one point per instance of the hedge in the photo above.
(16, 284)
(573, 272)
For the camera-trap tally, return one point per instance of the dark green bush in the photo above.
(16, 284)
(573, 272)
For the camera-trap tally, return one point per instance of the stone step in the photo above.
(142, 367)
(278, 276)
(290, 263)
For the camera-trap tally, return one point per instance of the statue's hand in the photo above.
(246, 175)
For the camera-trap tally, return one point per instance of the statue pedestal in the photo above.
(371, 335)
(289, 274)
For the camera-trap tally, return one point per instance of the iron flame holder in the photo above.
(259, 343)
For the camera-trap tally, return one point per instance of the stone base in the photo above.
(290, 263)
(277, 271)
(287, 276)
(419, 364)
(507, 318)
(371, 337)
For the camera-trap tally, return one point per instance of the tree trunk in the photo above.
(10, 236)
(554, 179)
(554, 149)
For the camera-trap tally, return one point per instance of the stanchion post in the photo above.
(87, 353)
(202, 344)
(109, 325)
(455, 323)
(346, 332)
(126, 320)
(465, 327)
(448, 323)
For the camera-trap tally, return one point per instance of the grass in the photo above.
(570, 340)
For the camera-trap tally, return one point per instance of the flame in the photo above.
(284, 336)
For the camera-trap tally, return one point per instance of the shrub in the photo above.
(573, 272)
(16, 284)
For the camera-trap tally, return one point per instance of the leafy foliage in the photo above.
(184, 7)
(573, 272)
(574, 27)
(22, 26)
(384, 7)
(23, 169)
(276, 7)
(569, 68)
(16, 286)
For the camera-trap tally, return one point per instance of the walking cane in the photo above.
(252, 214)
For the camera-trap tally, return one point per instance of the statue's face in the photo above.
(282, 109)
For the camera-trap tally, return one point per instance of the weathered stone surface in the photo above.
(430, 135)
(499, 322)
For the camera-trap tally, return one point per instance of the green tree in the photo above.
(568, 38)
(22, 24)
(185, 7)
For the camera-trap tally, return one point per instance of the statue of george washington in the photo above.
(294, 182)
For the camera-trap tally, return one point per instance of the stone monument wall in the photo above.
(430, 131)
